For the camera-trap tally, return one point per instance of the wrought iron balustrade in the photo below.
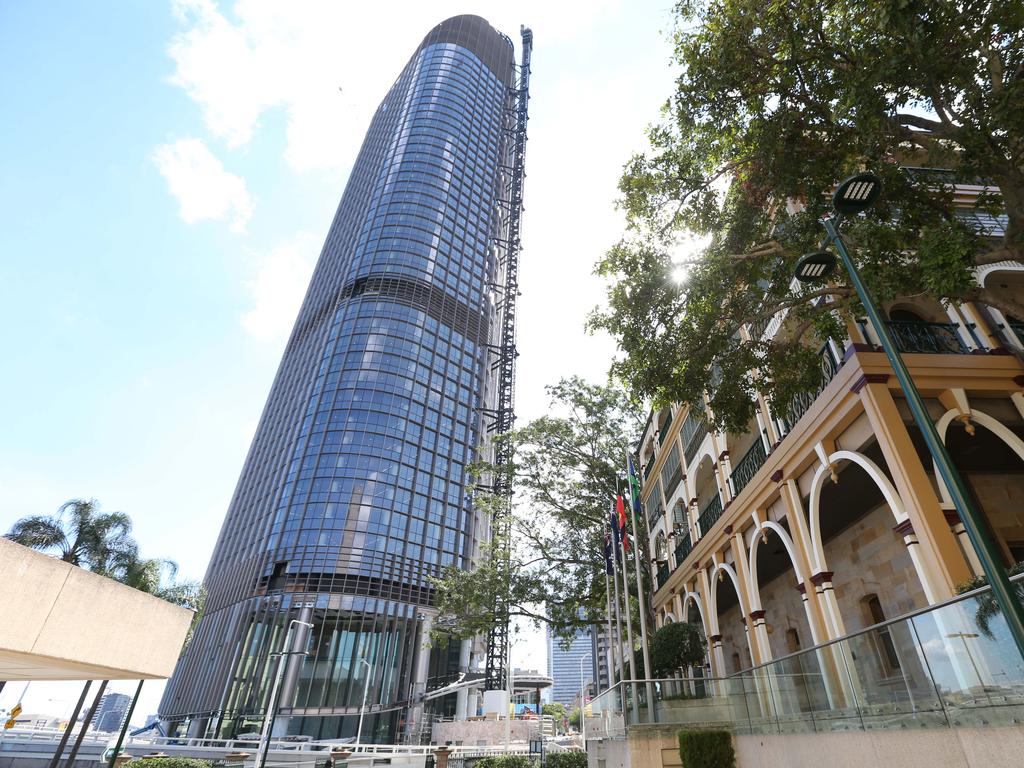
(663, 573)
(802, 402)
(665, 428)
(683, 548)
(747, 467)
(917, 336)
(649, 466)
(1018, 330)
(694, 431)
(710, 514)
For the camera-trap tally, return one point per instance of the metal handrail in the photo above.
(875, 627)
(747, 467)
(709, 515)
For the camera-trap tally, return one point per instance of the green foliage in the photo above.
(987, 606)
(101, 542)
(775, 103)
(574, 718)
(566, 466)
(707, 749)
(674, 646)
(555, 710)
(505, 761)
(170, 762)
(566, 760)
(686, 695)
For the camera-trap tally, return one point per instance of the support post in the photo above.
(125, 725)
(85, 725)
(70, 726)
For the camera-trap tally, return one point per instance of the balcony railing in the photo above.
(663, 572)
(683, 548)
(915, 336)
(649, 466)
(1018, 331)
(693, 433)
(946, 666)
(802, 402)
(710, 514)
(747, 467)
(665, 427)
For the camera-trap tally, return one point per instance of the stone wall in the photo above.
(867, 558)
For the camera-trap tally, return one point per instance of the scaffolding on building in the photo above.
(506, 354)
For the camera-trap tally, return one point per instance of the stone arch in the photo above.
(889, 493)
(990, 423)
(787, 542)
(982, 273)
(729, 571)
(700, 611)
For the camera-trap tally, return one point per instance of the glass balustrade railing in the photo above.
(952, 665)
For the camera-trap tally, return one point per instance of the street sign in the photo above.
(536, 747)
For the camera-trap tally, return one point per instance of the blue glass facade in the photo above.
(354, 491)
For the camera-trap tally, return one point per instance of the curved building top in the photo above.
(475, 34)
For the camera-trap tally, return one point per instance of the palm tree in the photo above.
(79, 534)
(101, 542)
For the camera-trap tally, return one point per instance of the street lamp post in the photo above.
(268, 719)
(856, 194)
(362, 709)
(583, 707)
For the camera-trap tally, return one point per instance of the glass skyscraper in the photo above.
(354, 492)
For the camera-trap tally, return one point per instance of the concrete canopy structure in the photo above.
(60, 622)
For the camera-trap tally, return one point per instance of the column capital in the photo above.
(868, 378)
(822, 577)
(757, 615)
(715, 638)
(905, 528)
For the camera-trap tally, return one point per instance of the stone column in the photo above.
(940, 564)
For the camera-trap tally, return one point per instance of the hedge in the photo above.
(505, 761)
(566, 760)
(706, 749)
(170, 762)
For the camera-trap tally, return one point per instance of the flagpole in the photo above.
(634, 498)
(631, 655)
(608, 650)
(615, 639)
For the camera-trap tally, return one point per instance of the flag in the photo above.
(616, 537)
(634, 486)
(608, 567)
(621, 523)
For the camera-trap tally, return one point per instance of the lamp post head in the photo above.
(815, 267)
(857, 193)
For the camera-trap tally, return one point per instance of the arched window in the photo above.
(661, 548)
(792, 640)
(885, 648)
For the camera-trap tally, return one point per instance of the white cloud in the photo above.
(326, 64)
(203, 188)
(277, 287)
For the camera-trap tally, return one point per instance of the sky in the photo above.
(170, 170)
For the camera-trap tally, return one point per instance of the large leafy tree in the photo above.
(774, 103)
(102, 542)
(565, 474)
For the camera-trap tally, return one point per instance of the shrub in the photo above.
(706, 749)
(171, 762)
(566, 760)
(505, 761)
